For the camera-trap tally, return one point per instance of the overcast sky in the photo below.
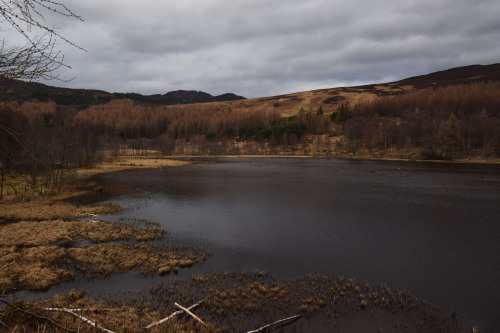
(258, 48)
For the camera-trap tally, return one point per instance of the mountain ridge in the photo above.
(23, 91)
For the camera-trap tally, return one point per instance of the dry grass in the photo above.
(101, 232)
(40, 267)
(39, 236)
(111, 315)
(33, 233)
(243, 301)
(106, 259)
(125, 163)
(59, 206)
(238, 302)
(36, 268)
(28, 260)
(22, 202)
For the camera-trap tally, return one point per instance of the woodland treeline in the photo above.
(43, 139)
(40, 141)
(447, 122)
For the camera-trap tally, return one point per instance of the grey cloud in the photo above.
(259, 47)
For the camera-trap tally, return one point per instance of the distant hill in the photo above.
(288, 104)
(24, 91)
(331, 98)
(180, 97)
(459, 75)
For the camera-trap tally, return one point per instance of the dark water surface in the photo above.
(430, 228)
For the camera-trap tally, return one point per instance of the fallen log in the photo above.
(82, 318)
(60, 309)
(159, 322)
(53, 323)
(290, 319)
(189, 313)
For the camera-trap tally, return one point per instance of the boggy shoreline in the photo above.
(42, 245)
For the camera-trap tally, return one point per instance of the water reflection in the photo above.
(429, 228)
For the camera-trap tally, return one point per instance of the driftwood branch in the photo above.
(10, 263)
(82, 318)
(156, 323)
(61, 310)
(53, 323)
(281, 321)
(190, 313)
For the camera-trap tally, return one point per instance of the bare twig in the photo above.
(7, 327)
(263, 328)
(82, 310)
(38, 57)
(189, 313)
(61, 310)
(53, 323)
(156, 323)
(10, 263)
(82, 318)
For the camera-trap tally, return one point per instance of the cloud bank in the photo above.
(264, 48)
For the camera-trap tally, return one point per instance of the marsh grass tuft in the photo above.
(39, 239)
(239, 301)
(106, 259)
(112, 315)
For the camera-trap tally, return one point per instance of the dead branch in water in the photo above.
(53, 323)
(189, 313)
(156, 323)
(82, 318)
(263, 328)
(93, 324)
(103, 329)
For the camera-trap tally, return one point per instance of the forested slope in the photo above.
(452, 115)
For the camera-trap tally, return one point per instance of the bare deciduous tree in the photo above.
(36, 57)
(30, 55)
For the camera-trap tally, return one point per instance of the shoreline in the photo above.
(348, 299)
(492, 161)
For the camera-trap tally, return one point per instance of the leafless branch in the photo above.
(281, 321)
(156, 323)
(38, 57)
(10, 263)
(82, 318)
(189, 313)
(53, 323)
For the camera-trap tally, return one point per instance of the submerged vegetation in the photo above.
(239, 302)
(38, 254)
(41, 243)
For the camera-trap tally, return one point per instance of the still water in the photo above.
(430, 228)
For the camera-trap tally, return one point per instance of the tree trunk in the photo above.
(2, 182)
